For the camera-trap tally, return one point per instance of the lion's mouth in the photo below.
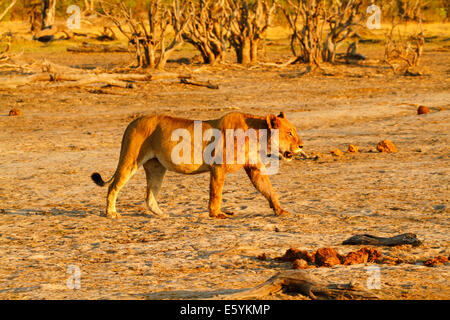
(287, 155)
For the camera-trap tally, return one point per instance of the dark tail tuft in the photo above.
(97, 178)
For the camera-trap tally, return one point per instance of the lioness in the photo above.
(148, 141)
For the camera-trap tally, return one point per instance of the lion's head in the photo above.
(290, 143)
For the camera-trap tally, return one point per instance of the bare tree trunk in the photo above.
(248, 26)
(243, 51)
(48, 13)
(254, 50)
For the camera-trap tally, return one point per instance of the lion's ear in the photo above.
(271, 121)
(282, 115)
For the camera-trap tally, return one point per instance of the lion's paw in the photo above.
(283, 213)
(221, 215)
(112, 215)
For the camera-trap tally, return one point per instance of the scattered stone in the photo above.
(15, 112)
(327, 257)
(315, 156)
(439, 207)
(300, 264)
(262, 257)
(423, 110)
(293, 254)
(386, 146)
(436, 261)
(363, 255)
(337, 153)
(352, 148)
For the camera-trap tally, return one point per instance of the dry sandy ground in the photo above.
(49, 208)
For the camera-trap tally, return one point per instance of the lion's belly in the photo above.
(182, 167)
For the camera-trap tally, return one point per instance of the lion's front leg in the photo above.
(262, 184)
(217, 180)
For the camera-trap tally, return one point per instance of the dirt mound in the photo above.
(262, 257)
(337, 153)
(352, 148)
(386, 146)
(423, 110)
(293, 254)
(15, 112)
(328, 257)
(436, 261)
(363, 255)
(300, 264)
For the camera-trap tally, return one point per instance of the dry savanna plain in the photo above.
(50, 223)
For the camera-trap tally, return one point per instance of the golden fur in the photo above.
(147, 142)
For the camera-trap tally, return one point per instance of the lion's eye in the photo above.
(290, 133)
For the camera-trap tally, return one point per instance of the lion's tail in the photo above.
(97, 178)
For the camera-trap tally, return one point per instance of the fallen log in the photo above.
(367, 239)
(71, 79)
(76, 80)
(63, 76)
(301, 282)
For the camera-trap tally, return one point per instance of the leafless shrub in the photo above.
(319, 27)
(149, 37)
(403, 48)
(343, 19)
(306, 19)
(207, 29)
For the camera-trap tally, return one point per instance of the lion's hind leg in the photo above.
(154, 172)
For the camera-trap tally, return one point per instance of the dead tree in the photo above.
(342, 18)
(403, 49)
(306, 20)
(319, 26)
(34, 13)
(149, 38)
(48, 13)
(248, 25)
(207, 29)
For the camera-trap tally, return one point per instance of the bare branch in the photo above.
(3, 14)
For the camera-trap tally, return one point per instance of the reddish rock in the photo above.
(327, 257)
(15, 112)
(262, 257)
(436, 261)
(363, 255)
(337, 153)
(423, 110)
(386, 146)
(293, 254)
(352, 148)
(300, 264)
